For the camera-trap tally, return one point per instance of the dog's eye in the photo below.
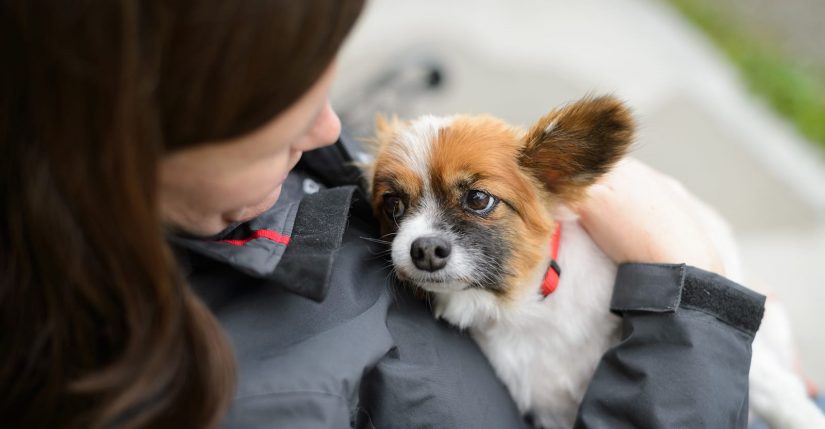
(393, 206)
(479, 202)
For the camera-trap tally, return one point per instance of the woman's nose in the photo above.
(324, 132)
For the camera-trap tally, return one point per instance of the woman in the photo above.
(127, 124)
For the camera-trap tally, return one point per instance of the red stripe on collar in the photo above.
(551, 278)
(261, 233)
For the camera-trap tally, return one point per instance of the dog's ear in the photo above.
(570, 147)
(382, 125)
(384, 129)
(384, 132)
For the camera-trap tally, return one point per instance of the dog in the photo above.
(478, 214)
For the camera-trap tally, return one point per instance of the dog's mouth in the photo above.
(433, 283)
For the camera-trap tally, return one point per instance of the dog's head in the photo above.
(467, 200)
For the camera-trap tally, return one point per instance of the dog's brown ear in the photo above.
(384, 129)
(570, 147)
(384, 132)
(382, 126)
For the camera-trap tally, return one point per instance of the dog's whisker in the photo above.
(375, 240)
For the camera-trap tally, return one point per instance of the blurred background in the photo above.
(729, 95)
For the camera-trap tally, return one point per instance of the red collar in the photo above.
(551, 278)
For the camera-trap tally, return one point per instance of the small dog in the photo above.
(477, 213)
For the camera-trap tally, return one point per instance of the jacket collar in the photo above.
(294, 243)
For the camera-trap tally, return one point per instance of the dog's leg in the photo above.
(777, 394)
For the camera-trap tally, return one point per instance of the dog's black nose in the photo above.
(430, 253)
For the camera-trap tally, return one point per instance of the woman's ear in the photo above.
(571, 147)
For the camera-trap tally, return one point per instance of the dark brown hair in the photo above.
(97, 327)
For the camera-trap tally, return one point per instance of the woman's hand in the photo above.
(637, 214)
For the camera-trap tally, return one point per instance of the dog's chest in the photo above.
(545, 350)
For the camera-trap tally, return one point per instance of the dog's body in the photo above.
(473, 204)
(545, 349)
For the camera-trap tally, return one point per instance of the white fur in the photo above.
(545, 350)
(415, 143)
(421, 224)
(551, 126)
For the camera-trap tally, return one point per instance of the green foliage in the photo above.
(795, 92)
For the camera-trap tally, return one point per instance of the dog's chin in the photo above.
(432, 283)
(441, 286)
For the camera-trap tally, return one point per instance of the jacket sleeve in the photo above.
(684, 356)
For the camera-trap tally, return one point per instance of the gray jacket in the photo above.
(324, 339)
